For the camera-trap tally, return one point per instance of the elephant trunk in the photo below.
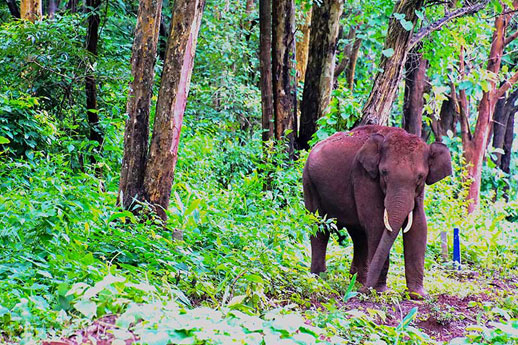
(398, 208)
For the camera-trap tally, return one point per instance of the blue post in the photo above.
(456, 248)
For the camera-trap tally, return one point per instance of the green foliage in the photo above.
(68, 255)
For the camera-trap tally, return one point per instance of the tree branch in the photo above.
(506, 86)
(463, 105)
(463, 11)
(510, 38)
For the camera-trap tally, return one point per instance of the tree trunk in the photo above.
(136, 134)
(72, 6)
(504, 109)
(92, 38)
(505, 164)
(351, 66)
(53, 6)
(475, 148)
(30, 10)
(13, 8)
(447, 118)
(302, 47)
(320, 70)
(415, 81)
(172, 99)
(265, 62)
(283, 72)
(379, 104)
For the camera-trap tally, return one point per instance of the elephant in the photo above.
(372, 180)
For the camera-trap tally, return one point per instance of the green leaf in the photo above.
(388, 52)
(87, 308)
(4, 140)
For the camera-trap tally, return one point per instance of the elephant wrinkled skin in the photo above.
(372, 181)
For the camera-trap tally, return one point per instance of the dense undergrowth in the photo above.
(69, 256)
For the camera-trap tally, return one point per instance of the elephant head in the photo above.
(402, 164)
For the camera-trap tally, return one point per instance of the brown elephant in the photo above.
(372, 181)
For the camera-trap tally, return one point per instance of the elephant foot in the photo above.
(381, 288)
(417, 294)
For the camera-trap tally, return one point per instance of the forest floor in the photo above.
(442, 317)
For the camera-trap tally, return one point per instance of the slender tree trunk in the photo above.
(265, 62)
(136, 134)
(379, 104)
(92, 38)
(415, 81)
(172, 99)
(302, 47)
(53, 6)
(30, 10)
(351, 66)
(505, 164)
(504, 109)
(320, 70)
(13, 8)
(72, 5)
(283, 71)
(475, 147)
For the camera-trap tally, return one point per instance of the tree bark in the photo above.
(320, 70)
(53, 6)
(92, 38)
(13, 8)
(136, 134)
(475, 147)
(302, 47)
(265, 63)
(351, 66)
(72, 5)
(379, 104)
(283, 72)
(30, 10)
(504, 109)
(415, 81)
(172, 99)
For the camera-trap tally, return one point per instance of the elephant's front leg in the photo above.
(318, 251)
(414, 244)
(360, 253)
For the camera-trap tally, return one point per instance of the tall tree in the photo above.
(92, 39)
(265, 63)
(13, 8)
(320, 69)
(30, 9)
(415, 83)
(136, 134)
(172, 99)
(398, 42)
(475, 144)
(283, 71)
(302, 46)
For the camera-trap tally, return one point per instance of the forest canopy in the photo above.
(152, 157)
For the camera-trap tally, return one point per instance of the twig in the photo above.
(463, 11)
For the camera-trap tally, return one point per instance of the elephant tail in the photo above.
(311, 197)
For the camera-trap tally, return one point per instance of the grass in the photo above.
(70, 256)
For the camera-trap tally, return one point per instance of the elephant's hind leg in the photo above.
(318, 251)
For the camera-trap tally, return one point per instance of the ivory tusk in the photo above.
(409, 223)
(386, 221)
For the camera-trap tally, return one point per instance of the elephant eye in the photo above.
(384, 172)
(420, 177)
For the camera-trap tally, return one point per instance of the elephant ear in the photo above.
(369, 154)
(439, 163)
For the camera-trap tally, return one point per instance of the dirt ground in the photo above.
(442, 317)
